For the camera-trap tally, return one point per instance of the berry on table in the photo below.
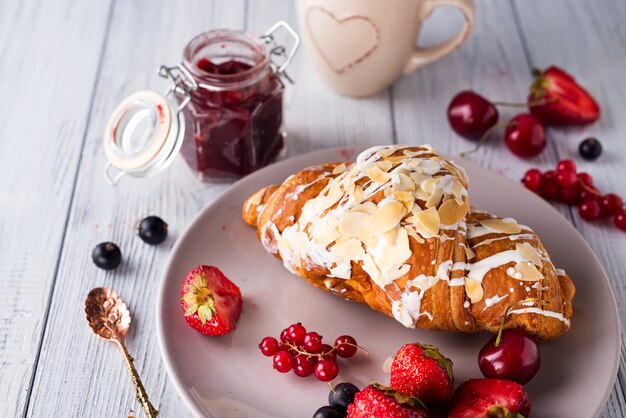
(590, 149)
(329, 412)
(471, 115)
(620, 220)
(346, 346)
(106, 255)
(532, 179)
(152, 230)
(549, 188)
(269, 346)
(326, 370)
(525, 136)
(342, 395)
(611, 204)
(567, 178)
(570, 195)
(589, 210)
(283, 361)
(566, 166)
(588, 193)
(585, 178)
(328, 351)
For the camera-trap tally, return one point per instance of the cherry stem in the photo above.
(325, 353)
(539, 102)
(506, 313)
(483, 138)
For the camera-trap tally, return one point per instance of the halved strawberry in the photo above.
(493, 398)
(211, 302)
(557, 99)
(380, 401)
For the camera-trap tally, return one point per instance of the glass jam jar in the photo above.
(223, 110)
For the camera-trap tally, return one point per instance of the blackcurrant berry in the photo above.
(328, 412)
(106, 255)
(590, 149)
(152, 230)
(342, 395)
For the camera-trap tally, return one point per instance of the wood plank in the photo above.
(43, 117)
(78, 374)
(588, 41)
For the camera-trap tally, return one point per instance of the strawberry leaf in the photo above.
(400, 397)
(445, 363)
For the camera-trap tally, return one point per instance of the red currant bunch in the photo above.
(569, 186)
(305, 353)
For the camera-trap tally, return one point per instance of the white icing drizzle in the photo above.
(479, 269)
(489, 302)
(543, 312)
(509, 237)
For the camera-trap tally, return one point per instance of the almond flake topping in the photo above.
(386, 217)
(503, 226)
(427, 221)
(474, 290)
(529, 253)
(450, 212)
(528, 271)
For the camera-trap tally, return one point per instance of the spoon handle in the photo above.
(142, 396)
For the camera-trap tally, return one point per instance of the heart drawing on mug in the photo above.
(358, 34)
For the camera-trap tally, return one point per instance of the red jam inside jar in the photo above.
(234, 117)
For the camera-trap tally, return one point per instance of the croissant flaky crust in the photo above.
(395, 230)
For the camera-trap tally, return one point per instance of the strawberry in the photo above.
(380, 401)
(420, 370)
(493, 398)
(211, 302)
(557, 99)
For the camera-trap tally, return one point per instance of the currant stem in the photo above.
(589, 188)
(325, 353)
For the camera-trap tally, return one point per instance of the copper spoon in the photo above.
(109, 317)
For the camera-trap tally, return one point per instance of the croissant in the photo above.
(395, 230)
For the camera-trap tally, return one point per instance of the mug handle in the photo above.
(423, 56)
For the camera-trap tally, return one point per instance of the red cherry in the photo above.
(269, 346)
(471, 115)
(532, 179)
(328, 349)
(305, 365)
(296, 333)
(283, 361)
(566, 166)
(312, 342)
(611, 204)
(525, 136)
(345, 346)
(567, 178)
(589, 210)
(515, 358)
(326, 370)
(549, 188)
(620, 221)
(585, 178)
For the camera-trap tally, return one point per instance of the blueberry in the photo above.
(342, 395)
(329, 412)
(152, 230)
(106, 255)
(590, 149)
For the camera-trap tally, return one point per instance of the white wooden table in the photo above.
(64, 65)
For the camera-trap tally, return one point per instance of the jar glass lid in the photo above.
(143, 135)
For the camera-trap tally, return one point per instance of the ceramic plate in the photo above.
(228, 377)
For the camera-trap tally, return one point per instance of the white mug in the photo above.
(359, 47)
